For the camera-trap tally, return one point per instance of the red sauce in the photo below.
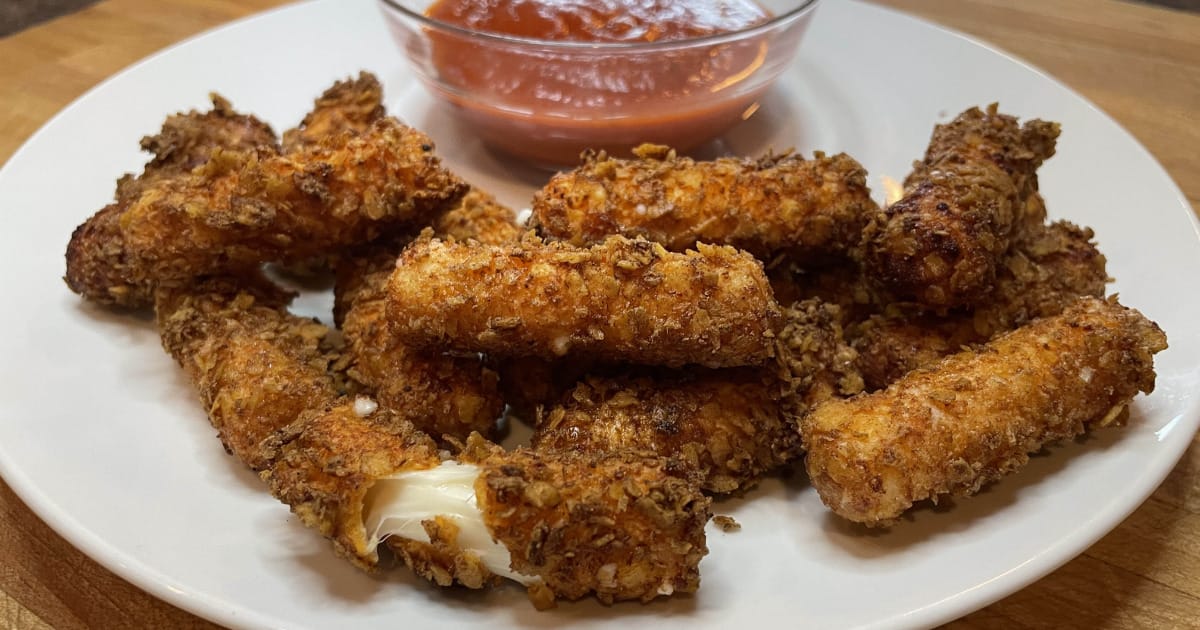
(548, 104)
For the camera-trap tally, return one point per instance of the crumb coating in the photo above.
(349, 106)
(621, 300)
(729, 425)
(441, 394)
(479, 217)
(940, 244)
(977, 415)
(323, 464)
(816, 362)
(617, 525)
(99, 264)
(778, 204)
(1048, 268)
(255, 366)
(243, 208)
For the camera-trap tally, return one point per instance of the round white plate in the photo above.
(104, 439)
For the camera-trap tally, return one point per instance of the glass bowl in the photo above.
(546, 101)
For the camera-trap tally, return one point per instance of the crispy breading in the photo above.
(244, 208)
(615, 525)
(1048, 268)
(780, 204)
(941, 243)
(441, 394)
(730, 425)
(349, 106)
(621, 300)
(816, 363)
(479, 217)
(839, 282)
(977, 415)
(322, 465)
(255, 366)
(99, 267)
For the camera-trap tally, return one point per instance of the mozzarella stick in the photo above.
(244, 208)
(940, 244)
(441, 394)
(977, 415)
(255, 366)
(99, 265)
(617, 526)
(729, 425)
(785, 204)
(621, 300)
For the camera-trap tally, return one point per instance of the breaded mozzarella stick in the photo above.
(255, 366)
(778, 204)
(617, 526)
(977, 415)
(621, 300)
(244, 208)
(729, 425)
(99, 264)
(939, 245)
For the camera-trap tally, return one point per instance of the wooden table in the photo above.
(1140, 64)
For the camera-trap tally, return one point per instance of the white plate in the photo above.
(104, 439)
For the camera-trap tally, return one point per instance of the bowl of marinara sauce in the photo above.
(543, 80)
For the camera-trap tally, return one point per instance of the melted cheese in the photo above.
(397, 504)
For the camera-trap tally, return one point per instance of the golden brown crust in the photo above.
(977, 415)
(479, 217)
(730, 425)
(244, 208)
(256, 367)
(619, 526)
(939, 245)
(441, 394)
(621, 300)
(323, 464)
(349, 106)
(1048, 268)
(99, 266)
(816, 363)
(442, 560)
(778, 204)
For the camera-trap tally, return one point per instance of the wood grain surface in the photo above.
(1140, 64)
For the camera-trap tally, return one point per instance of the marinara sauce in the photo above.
(546, 103)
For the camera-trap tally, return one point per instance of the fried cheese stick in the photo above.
(347, 107)
(730, 425)
(440, 394)
(245, 208)
(778, 204)
(940, 244)
(1048, 269)
(621, 300)
(99, 266)
(977, 415)
(619, 526)
(255, 366)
